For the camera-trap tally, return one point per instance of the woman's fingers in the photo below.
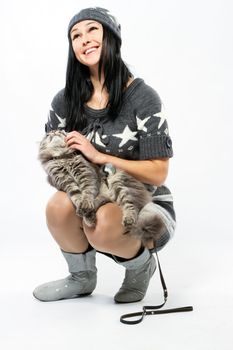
(75, 137)
(79, 142)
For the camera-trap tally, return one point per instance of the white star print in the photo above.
(97, 138)
(141, 123)
(90, 135)
(162, 118)
(126, 135)
(62, 121)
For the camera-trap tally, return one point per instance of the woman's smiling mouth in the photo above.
(90, 50)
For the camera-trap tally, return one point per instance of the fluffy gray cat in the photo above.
(89, 186)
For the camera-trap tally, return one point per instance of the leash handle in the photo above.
(153, 310)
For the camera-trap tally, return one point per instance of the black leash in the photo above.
(153, 310)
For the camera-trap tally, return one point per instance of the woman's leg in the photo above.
(66, 228)
(64, 225)
(108, 236)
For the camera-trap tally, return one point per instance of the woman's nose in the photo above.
(86, 39)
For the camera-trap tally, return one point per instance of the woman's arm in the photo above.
(153, 172)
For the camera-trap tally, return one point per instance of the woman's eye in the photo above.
(75, 36)
(92, 28)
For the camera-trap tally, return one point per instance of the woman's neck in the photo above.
(96, 82)
(99, 98)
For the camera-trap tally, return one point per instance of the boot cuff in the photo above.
(80, 262)
(134, 263)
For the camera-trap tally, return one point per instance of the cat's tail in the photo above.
(149, 226)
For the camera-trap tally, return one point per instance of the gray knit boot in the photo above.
(137, 277)
(80, 282)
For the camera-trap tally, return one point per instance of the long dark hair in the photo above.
(79, 88)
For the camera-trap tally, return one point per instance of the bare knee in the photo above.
(108, 228)
(59, 209)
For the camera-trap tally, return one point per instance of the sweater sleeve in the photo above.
(153, 134)
(57, 113)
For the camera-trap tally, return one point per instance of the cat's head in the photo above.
(53, 145)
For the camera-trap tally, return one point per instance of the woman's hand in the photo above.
(77, 141)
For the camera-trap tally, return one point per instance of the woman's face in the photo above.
(86, 38)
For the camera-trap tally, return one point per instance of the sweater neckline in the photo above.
(98, 113)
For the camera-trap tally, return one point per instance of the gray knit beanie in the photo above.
(100, 15)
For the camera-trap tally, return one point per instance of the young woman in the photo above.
(111, 118)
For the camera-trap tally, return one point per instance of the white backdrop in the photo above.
(183, 49)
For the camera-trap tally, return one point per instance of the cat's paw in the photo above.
(90, 219)
(101, 200)
(85, 208)
(129, 221)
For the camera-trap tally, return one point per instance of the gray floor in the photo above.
(195, 275)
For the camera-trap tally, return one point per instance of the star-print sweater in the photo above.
(139, 132)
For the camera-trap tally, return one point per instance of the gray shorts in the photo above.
(162, 205)
(169, 223)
